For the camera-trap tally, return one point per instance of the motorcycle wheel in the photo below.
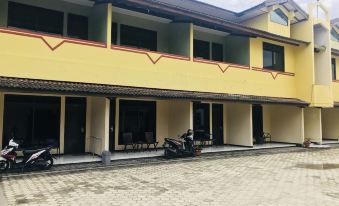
(49, 162)
(4, 165)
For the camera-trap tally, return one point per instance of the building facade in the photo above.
(83, 74)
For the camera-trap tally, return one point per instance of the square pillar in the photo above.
(313, 125)
(100, 24)
(62, 124)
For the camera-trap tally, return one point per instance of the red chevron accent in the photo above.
(25, 33)
(223, 70)
(274, 74)
(147, 53)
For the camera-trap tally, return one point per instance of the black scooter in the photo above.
(178, 148)
(41, 158)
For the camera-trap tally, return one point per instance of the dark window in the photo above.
(35, 18)
(274, 57)
(136, 117)
(139, 38)
(33, 119)
(334, 69)
(77, 26)
(279, 17)
(217, 52)
(201, 49)
(334, 35)
(201, 120)
(114, 33)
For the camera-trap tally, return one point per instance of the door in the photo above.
(218, 124)
(112, 125)
(201, 120)
(257, 121)
(75, 125)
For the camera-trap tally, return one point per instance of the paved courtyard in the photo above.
(298, 178)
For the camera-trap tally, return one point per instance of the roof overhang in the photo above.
(335, 52)
(175, 13)
(10, 84)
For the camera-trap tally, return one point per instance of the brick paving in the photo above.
(309, 177)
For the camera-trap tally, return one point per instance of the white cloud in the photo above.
(237, 6)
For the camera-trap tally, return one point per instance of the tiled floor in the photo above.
(69, 159)
(330, 141)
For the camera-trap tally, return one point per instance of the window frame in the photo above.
(202, 43)
(280, 14)
(334, 68)
(275, 50)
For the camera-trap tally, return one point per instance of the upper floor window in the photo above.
(334, 35)
(334, 69)
(274, 57)
(201, 49)
(35, 18)
(278, 16)
(138, 37)
(114, 34)
(77, 26)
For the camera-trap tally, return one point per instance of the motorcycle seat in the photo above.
(29, 152)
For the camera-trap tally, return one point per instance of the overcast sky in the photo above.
(239, 5)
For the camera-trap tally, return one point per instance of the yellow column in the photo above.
(62, 124)
(117, 111)
(191, 42)
(109, 25)
(106, 133)
(1, 117)
(88, 124)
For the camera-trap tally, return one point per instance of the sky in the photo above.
(240, 5)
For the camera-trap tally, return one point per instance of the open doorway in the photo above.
(218, 124)
(258, 125)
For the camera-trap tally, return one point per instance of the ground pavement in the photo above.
(309, 178)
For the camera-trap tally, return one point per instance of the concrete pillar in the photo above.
(62, 124)
(100, 23)
(2, 100)
(180, 39)
(239, 124)
(117, 109)
(330, 122)
(88, 124)
(191, 42)
(313, 125)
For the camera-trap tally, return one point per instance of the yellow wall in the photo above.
(266, 118)
(313, 124)
(287, 124)
(239, 124)
(260, 22)
(330, 121)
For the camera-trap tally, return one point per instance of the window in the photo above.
(201, 49)
(137, 117)
(77, 26)
(139, 38)
(217, 52)
(278, 16)
(334, 35)
(201, 120)
(35, 18)
(114, 34)
(33, 119)
(274, 57)
(334, 69)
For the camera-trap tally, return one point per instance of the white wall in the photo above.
(287, 124)
(330, 123)
(239, 124)
(313, 127)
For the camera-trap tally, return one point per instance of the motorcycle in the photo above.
(41, 157)
(180, 148)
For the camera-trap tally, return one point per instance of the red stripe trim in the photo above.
(223, 70)
(274, 73)
(147, 53)
(52, 48)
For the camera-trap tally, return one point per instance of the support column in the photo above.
(3, 13)
(62, 124)
(88, 124)
(100, 24)
(117, 109)
(2, 102)
(239, 124)
(105, 146)
(313, 124)
(191, 41)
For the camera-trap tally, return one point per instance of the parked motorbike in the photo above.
(40, 158)
(180, 148)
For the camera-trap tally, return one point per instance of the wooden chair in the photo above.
(150, 140)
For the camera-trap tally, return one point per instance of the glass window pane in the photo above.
(138, 37)
(279, 17)
(77, 26)
(273, 57)
(334, 69)
(217, 52)
(114, 33)
(201, 49)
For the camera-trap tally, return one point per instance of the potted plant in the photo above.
(307, 143)
(198, 150)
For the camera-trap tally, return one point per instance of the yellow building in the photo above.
(85, 75)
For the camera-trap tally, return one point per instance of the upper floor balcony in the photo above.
(122, 45)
